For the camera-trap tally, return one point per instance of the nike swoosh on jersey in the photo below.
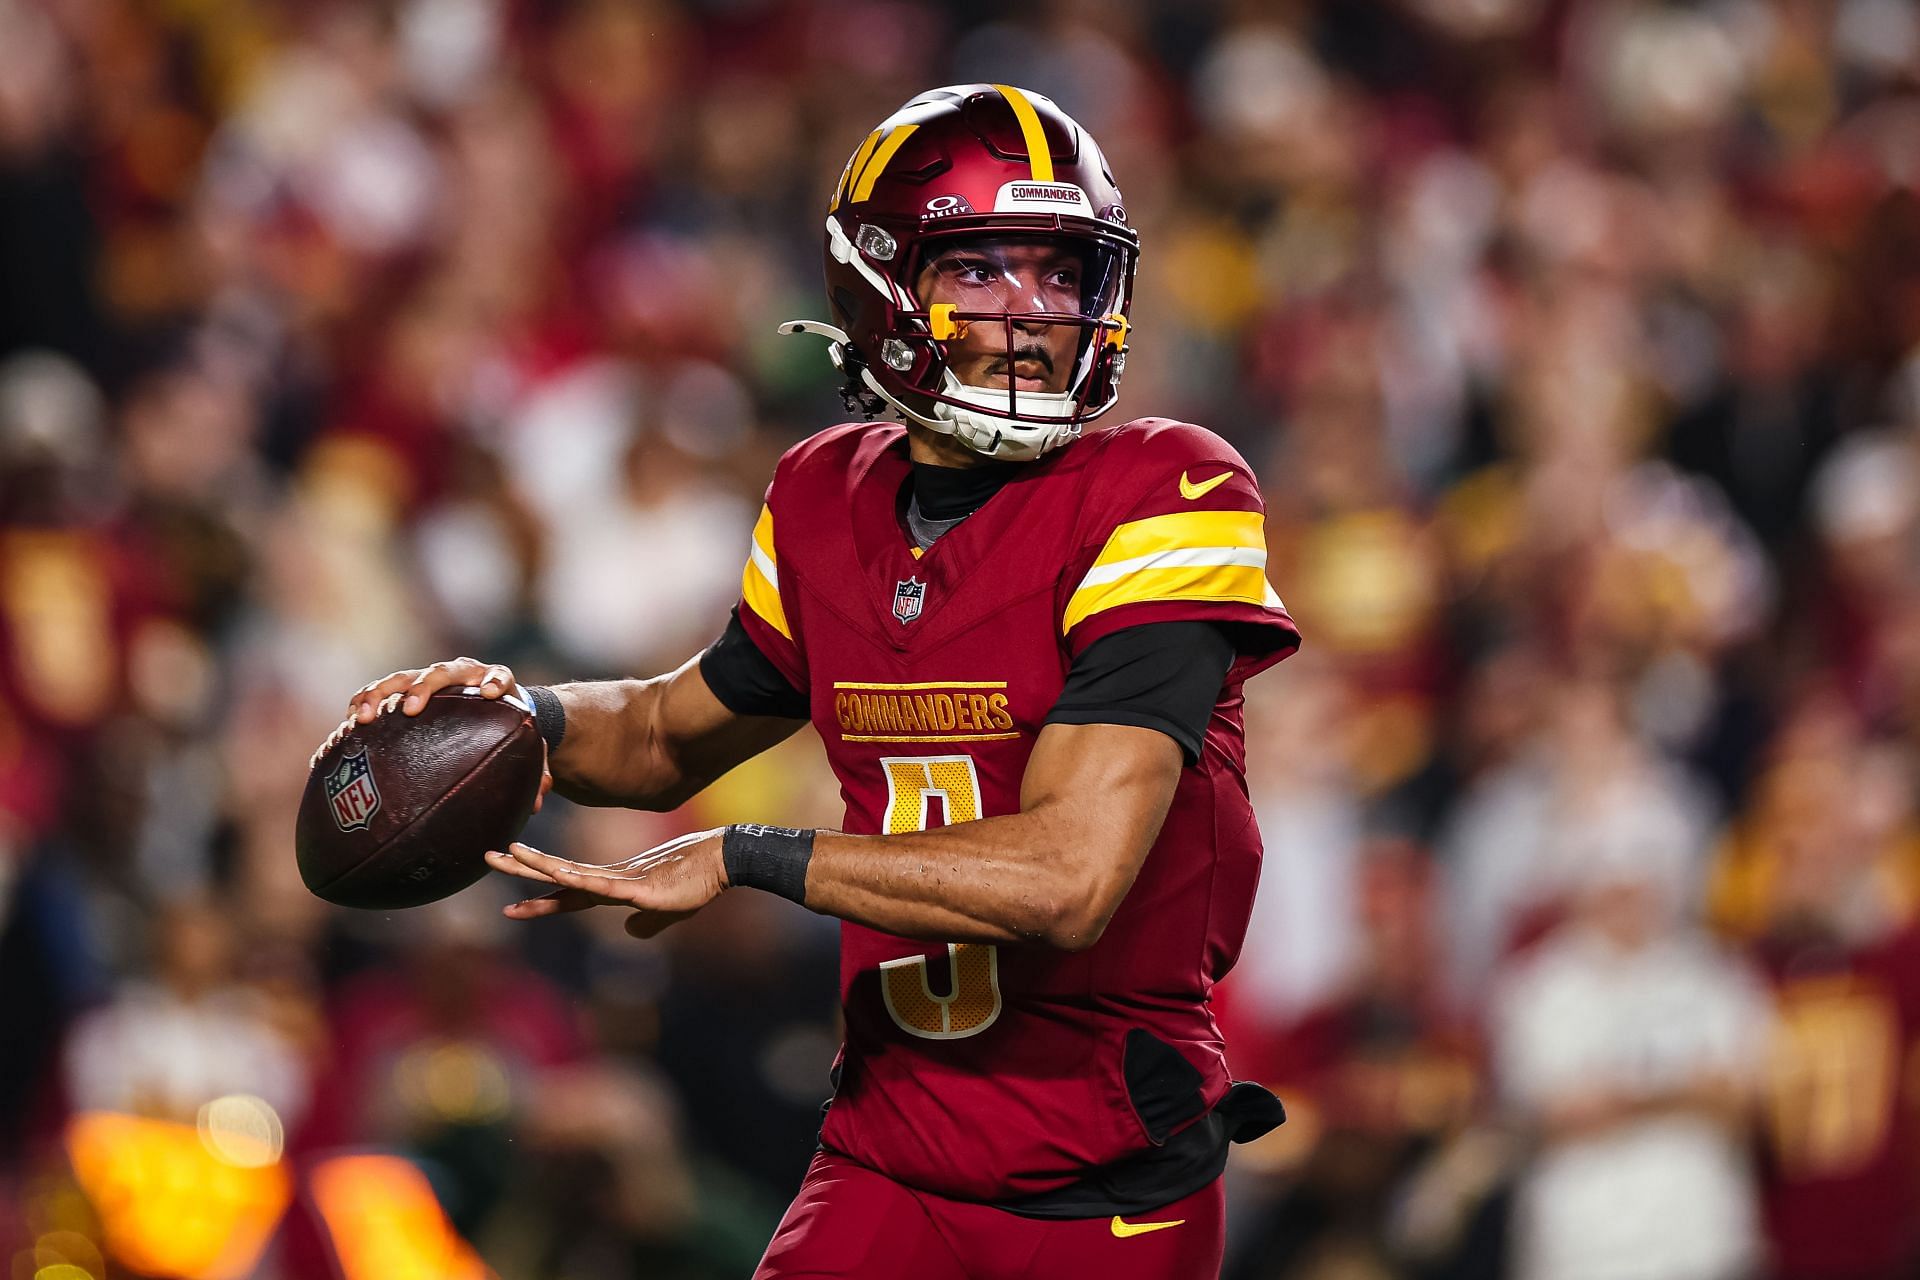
(1191, 491)
(1124, 1229)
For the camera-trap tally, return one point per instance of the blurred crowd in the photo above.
(1577, 343)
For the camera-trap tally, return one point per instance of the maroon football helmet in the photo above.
(982, 165)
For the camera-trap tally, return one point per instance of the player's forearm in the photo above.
(653, 744)
(1025, 877)
(1092, 802)
(612, 753)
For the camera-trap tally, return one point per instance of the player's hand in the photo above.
(664, 885)
(408, 691)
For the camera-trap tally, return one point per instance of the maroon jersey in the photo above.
(1842, 1167)
(995, 1072)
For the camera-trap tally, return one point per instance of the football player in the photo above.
(1023, 648)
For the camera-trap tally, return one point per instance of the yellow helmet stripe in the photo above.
(878, 164)
(857, 159)
(1039, 154)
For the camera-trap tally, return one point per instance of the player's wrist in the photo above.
(755, 856)
(549, 715)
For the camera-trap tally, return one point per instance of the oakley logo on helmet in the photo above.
(1042, 197)
(945, 207)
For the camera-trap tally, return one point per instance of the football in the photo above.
(398, 812)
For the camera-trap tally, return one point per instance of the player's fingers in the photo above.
(574, 875)
(610, 890)
(507, 864)
(365, 704)
(560, 902)
(648, 924)
(528, 856)
(495, 681)
(430, 680)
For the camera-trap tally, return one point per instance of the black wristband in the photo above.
(770, 858)
(549, 717)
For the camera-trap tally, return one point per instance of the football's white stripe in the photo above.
(1177, 558)
(764, 563)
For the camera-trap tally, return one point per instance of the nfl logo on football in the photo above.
(351, 791)
(907, 599)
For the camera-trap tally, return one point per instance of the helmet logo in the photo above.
(1117, 214)
(1042, 197)
(946, 207)
(908, 597)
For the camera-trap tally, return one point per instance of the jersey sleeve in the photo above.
(1183, 541)
(763, 609)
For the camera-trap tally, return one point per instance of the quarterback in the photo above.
(1023, 646)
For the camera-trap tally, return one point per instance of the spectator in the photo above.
(166, 1048)
(1630, 1048)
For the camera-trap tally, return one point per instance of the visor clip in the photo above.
(942, 325)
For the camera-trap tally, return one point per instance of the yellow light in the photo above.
(242, 1130)
(68, 1247)
(168, 1206)
(63, 1271)
(386, 1224)
(457, 1082)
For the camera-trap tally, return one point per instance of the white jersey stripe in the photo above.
(1176, 558)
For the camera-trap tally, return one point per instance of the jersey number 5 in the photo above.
(972, 1002)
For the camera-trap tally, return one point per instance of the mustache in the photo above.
(1023, 351)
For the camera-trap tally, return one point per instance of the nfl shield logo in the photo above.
(907, 599)
(351, 791)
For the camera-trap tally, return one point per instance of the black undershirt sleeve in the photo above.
(745, 679)
(1162, 675)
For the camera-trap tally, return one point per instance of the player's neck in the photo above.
(951, 483)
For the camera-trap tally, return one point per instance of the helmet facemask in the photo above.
(1023, 324)
(1007, 340)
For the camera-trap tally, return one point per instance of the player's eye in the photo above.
(969, 270)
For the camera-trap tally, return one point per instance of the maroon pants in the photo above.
(851, 1222)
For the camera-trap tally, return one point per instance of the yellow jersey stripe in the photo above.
(1039, 154)
(1221, 583)
(763, 598)
(760, 582)
(878, 164)
(854, 164)
(1139, 538)
(923, 684)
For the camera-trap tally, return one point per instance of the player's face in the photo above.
(1016, 277)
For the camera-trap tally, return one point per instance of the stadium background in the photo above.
(1577, 343)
